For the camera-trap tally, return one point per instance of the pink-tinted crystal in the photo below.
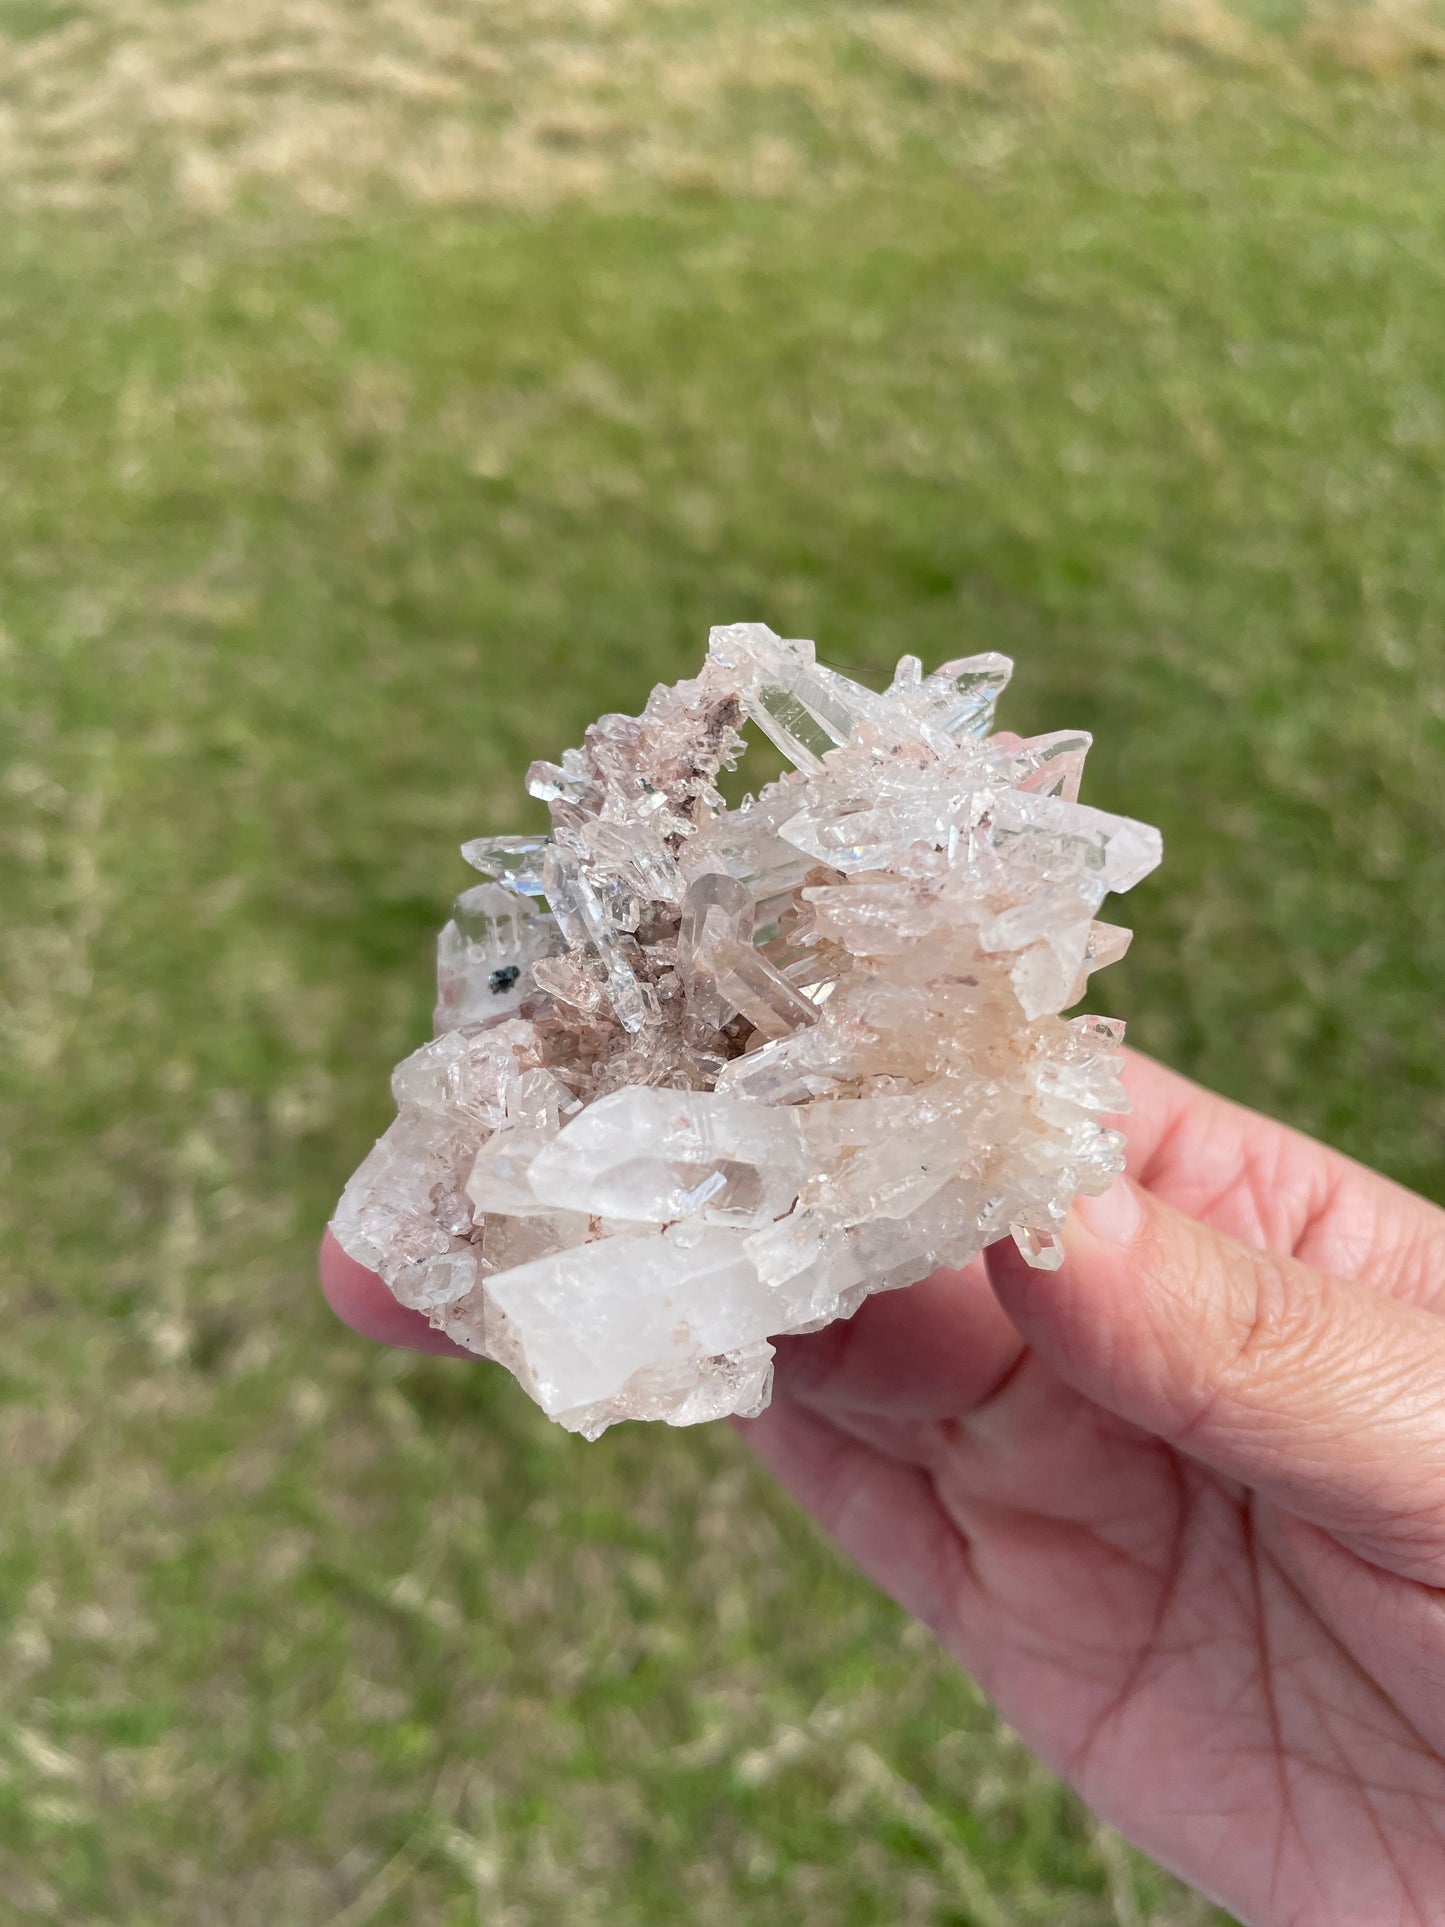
(704, 1076)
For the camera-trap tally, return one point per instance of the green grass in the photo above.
(1107, 339)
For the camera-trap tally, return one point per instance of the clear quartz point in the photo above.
(1044, 1250)
(704, 1076)
(965, 693)
(759, 991)
(804, 710)
(718, 910)
(512, 860)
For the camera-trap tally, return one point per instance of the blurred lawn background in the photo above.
(386, 388)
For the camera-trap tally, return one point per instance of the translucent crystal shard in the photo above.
(593, 918)
(964, 694)
(1058, 761)
(804, 711)
(705, 1076)
(593, 1322)
(656, 1156)
(718, 909)
(760, 993)
(1044, 1250)
(512, 860)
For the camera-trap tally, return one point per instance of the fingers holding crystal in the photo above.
(1277, 1190)
(1318, 1391)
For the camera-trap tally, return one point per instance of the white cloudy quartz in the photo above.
(705, 1076)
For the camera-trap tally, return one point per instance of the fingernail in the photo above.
(1115, 1217)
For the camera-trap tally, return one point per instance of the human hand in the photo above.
(1179, 1506)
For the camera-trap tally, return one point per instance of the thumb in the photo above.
(1323, 1394)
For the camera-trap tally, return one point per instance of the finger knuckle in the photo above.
(1271, 1326)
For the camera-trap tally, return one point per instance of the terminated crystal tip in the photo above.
(704, 1076)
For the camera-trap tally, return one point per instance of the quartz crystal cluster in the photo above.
(702, 1076)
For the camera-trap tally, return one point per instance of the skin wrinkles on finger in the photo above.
(1275, 1189)
(1336, 1409)
(1321, 1392)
